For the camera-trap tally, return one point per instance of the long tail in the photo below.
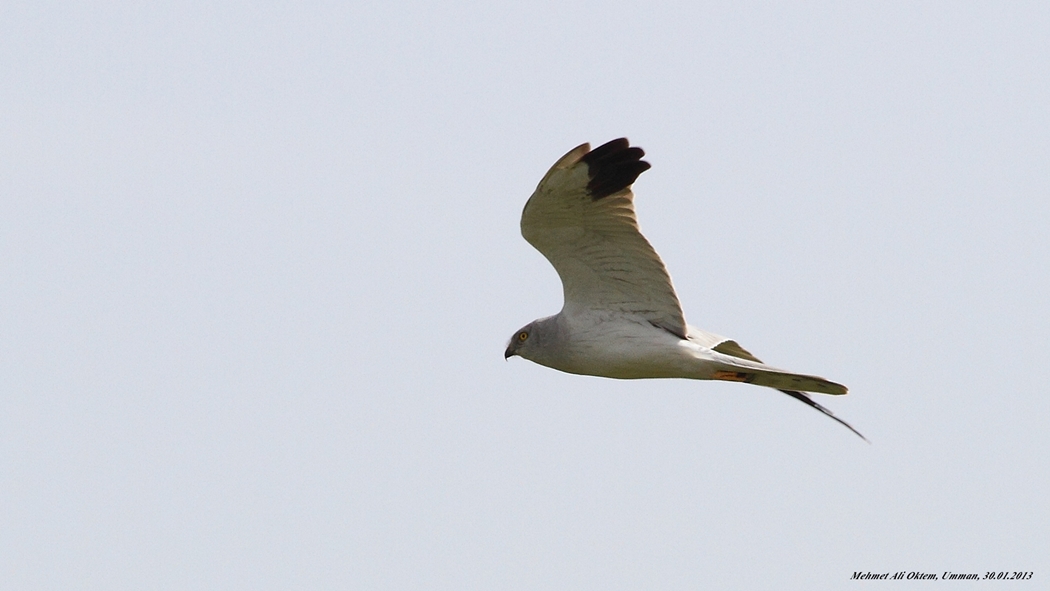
(801, 397)
(742, 366)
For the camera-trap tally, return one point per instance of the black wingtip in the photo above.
(613, 166)
(801, 397)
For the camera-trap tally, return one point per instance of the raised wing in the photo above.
(582, 219)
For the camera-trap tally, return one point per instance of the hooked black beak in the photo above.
(509, 352)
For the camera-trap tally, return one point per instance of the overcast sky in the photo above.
(259, 263)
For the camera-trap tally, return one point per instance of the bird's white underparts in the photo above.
(621, 317)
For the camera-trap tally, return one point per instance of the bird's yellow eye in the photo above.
(523, 335)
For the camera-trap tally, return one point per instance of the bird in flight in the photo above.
(621, 317)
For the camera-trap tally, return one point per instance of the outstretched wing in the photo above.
(582, 219)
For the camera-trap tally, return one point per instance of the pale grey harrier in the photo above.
(621, 317)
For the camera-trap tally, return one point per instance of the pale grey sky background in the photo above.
(260, 262)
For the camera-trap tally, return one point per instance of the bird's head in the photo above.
(519, 343)
(535, 340)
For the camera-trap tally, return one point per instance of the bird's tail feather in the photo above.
(751, 372)
(742, 366)
(754, 372)
(739, 365)
(801, 397)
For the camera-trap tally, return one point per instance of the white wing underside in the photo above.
(593, 242)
